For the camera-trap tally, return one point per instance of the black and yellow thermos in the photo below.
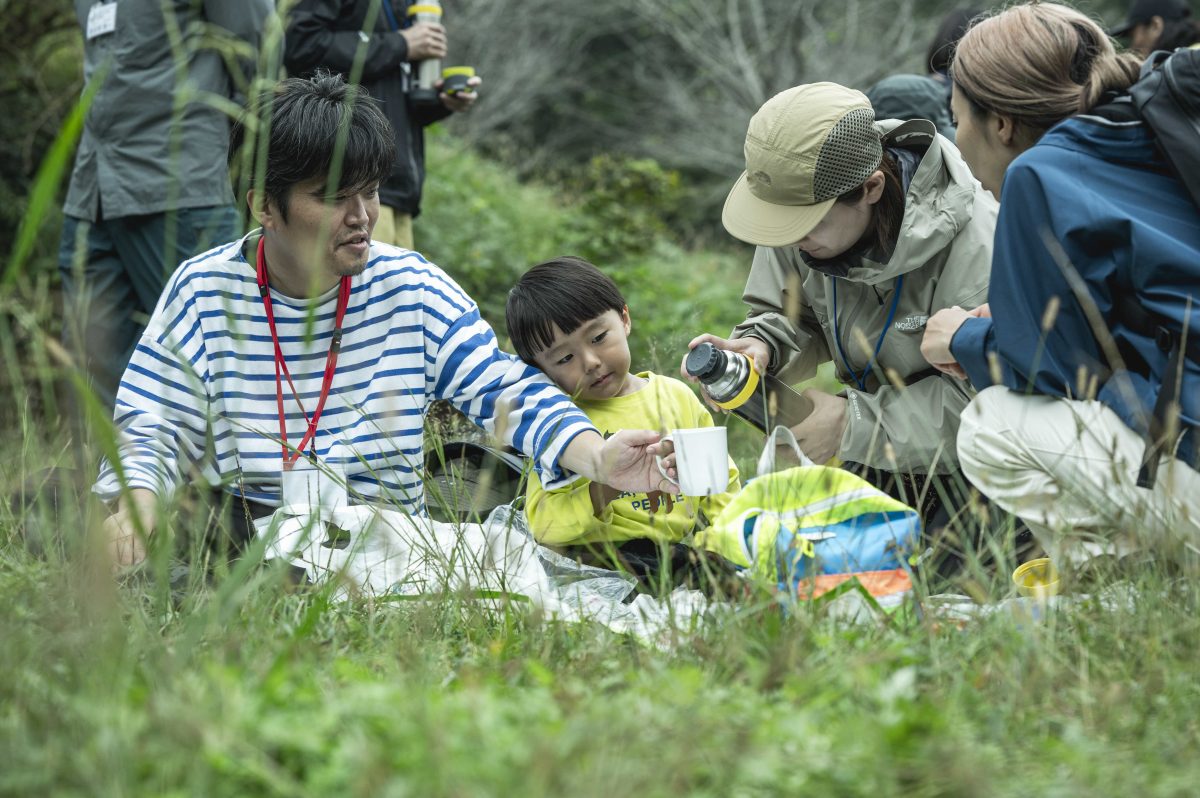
(731, 381)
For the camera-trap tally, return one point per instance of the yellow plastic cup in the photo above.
(1036, 578)
(454, 79)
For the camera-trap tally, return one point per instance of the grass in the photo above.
(238, 684)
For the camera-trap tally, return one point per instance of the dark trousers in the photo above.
(935, 497)
(114, 271)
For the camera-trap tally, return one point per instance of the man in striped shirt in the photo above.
(304, 339)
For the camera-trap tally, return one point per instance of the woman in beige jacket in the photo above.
(864, 230)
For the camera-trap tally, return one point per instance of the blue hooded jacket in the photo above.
(1093, 199)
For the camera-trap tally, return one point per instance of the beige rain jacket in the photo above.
(944, 254)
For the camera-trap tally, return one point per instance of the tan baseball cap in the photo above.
(805, 148)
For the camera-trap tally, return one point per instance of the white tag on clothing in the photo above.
(102, 19)
(309, 488)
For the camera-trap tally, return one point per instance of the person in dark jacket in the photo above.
(378, 45)
(1095, 234)
(1158, 25)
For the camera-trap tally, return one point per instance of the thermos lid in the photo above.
(705, 361)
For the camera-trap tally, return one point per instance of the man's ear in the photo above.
(874, 187)
(1156, 25)
(264, 211)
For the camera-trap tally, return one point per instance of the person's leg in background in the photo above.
(1069, 469)
(393, 227)
(152, 247)
(98, 302)
(113, 273)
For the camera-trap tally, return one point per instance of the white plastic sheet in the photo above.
(385, 553)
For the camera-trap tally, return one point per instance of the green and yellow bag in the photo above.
(814, 530)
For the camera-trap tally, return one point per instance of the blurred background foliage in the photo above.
(608, 130)
(41, 75)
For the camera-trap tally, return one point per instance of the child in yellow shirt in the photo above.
(568, 319)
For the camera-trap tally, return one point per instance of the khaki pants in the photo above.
(393, 227)
(1068, 468)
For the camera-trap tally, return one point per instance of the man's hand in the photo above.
(820, 435)
(462, 101)
(626, 461)
(126, 546)
(425, 40)
(939, 332)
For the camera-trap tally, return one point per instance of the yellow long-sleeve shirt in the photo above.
(566, 516)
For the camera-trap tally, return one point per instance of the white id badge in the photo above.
(308, 488)
(102, 19)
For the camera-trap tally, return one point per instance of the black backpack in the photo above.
(1167, 98)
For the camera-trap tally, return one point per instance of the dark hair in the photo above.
(888, 213)
(308, 123)
(941, 50)
(1176, 33)
(566, 292)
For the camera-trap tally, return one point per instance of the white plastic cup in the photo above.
(701, 461)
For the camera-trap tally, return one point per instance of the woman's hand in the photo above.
(820, 435)
(939, 333)
(754, 348)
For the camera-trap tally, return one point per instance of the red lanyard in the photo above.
(335, 346)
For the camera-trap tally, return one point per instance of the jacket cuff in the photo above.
(970, 346)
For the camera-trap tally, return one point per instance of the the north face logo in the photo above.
(759, 178)
(911, 323)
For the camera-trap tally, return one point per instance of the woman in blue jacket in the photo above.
(1095, 272)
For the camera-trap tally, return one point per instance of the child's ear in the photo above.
(625, 319)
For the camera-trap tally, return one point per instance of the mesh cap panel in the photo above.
(850, 153)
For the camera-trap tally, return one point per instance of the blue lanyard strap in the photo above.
(390, 14)
(861, 379)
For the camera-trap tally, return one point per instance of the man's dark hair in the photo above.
(308, 122)
(941, 50)
(567, 292)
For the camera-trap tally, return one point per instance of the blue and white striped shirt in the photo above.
(198, 398)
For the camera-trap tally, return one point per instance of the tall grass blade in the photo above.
(49, 177)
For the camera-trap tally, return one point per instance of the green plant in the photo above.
(622, 205)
